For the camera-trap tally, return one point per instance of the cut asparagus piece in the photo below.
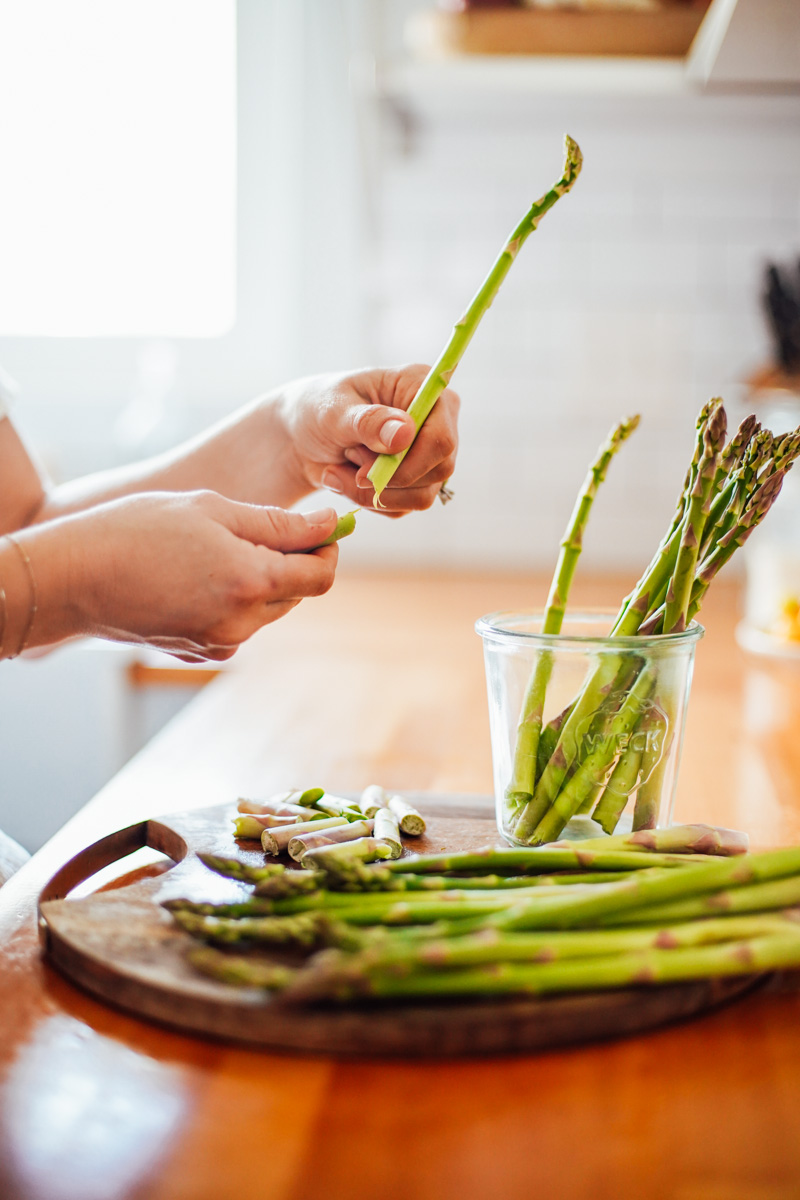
(372, 798)
(275, 840)
(346, 831)
(387, 830)
(343, 528)
(408, 818)
(276, 808)
(440, 374)
(337, 806)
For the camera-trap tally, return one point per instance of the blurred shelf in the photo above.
(665, 32)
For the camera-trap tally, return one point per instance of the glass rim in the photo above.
(491, 628)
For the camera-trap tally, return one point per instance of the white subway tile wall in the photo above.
(639, 292)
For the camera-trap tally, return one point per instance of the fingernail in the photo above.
(320, 516)
(330, 480)
(388, 431)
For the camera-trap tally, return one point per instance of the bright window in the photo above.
(117, 167)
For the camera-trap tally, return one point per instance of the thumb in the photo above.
(278, 528)
(379, 427)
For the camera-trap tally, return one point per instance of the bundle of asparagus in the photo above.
(677, 904)
(627, 703)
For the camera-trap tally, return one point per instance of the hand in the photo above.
(190, 573)
(338, 424)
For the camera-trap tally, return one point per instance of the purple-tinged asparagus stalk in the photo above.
(275, 841)
(680, 586)
(677, 839)
(311, 839)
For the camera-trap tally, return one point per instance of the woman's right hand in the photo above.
(191, 573)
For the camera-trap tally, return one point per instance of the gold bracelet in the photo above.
(4, 611)
(34, 595)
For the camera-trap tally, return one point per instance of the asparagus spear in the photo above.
(336, 806)
(307, 840)
(648, 888)
(523, 778)
(749, 898)
(338, 978)
(233, 868)
(537, 860)
(440, 374)
(239, 971)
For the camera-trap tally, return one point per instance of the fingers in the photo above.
(380, 427)
(352, 482)
(276, 527)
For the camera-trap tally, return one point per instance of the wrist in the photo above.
(34, 572)
(279, 412)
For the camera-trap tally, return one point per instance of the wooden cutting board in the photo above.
(122, 946)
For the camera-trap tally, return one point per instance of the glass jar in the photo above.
(586, 729)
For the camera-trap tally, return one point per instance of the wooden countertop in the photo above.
(382, 680)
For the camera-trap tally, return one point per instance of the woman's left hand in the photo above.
(339, 424)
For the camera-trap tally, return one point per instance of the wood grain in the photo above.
(707, 1109)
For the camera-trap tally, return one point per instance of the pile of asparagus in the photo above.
(643, 908)
(557, 771)
(318, 829)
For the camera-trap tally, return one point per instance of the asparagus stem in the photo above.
(536, 861)
(340, 860)
(274, 840)
(523, 777)
(278, 806)
(750, 898)
(387, 830)
(409, 820)
(622, 782)
(569, 799)
(440, 374)
(305, 841)
(677, 839)
(372, 798)
(343, 528)
(648, 888)
(338, 979)
(233, 868)
(694, 523)
(239, 971)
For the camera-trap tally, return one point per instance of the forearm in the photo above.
(247, 457)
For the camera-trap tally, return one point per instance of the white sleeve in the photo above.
(8, 392)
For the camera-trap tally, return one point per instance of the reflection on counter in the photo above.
(86, 1118)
